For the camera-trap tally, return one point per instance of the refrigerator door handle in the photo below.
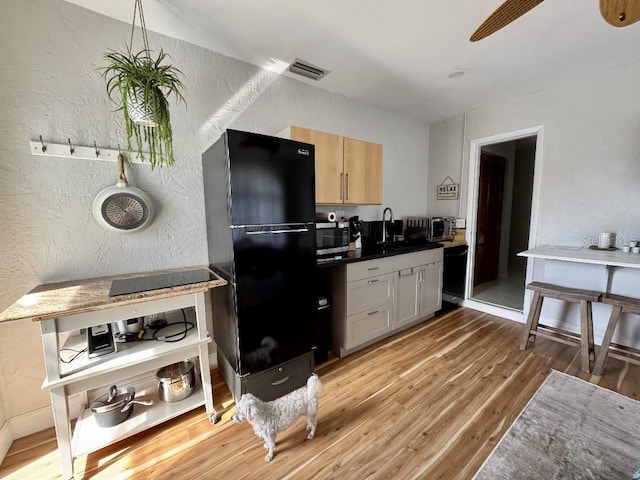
(266, 232)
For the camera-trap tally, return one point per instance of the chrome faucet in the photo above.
(384, 228)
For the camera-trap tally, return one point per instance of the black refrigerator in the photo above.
(259, 194)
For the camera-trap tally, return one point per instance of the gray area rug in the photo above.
(570, 429)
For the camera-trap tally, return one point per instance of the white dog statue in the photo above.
(269, 418)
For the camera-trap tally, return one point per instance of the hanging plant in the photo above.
(144, 85)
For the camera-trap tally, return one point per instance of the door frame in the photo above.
(475, 148)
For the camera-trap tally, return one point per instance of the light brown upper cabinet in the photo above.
(348, 171)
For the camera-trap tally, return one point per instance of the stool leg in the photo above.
(592, 348)
(584, 335)
(532, 320)
(606, 341)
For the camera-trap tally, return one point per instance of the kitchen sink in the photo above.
(400, 246)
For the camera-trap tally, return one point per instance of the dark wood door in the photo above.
(489, 216)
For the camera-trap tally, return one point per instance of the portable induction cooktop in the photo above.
(128, 286)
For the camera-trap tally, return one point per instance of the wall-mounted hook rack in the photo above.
(68, 150)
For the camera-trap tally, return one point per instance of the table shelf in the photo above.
(89, 437)
(127, 354)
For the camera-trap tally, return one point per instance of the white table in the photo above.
(608, 259)
(71, 306)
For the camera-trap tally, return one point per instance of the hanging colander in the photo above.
(122, 208)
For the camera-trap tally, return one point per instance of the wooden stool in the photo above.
(573, 295)
(620, 304)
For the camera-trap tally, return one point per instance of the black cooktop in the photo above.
(127, 286)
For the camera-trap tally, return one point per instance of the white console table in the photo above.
(608, 259)
(66, 307)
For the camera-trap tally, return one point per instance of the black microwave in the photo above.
(332, 238)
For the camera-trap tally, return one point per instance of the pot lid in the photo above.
(113, 400)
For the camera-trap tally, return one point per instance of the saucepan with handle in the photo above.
(115, 406)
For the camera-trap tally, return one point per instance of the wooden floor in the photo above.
(429, 403)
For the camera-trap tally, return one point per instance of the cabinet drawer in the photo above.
(279, 380)
(369, 292)
(368, 325)
(408, 260)
(359, 270)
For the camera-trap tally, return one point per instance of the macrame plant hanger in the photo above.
(137, 11)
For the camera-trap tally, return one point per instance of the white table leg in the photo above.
(63, 430)
(206, 383)
(203, 312)
(607, 285)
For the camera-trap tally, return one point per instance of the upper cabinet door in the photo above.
(362, 172)
(328, 159)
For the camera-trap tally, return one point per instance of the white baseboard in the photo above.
(6, 439)
(507, 313)
(23, 425)
(31, 422)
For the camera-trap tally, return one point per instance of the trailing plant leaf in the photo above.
(128, 72)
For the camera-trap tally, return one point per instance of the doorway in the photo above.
(502, 210)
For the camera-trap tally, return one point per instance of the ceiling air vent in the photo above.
(307, 70)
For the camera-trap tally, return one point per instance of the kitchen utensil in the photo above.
(122, 208)
(115, 406)
(176, 381)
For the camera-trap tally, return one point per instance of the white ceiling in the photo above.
(398, 54)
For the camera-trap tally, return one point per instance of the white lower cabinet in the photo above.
(374, 298)
(430, 288)
(408, 296)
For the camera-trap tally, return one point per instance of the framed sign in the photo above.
(448, 190)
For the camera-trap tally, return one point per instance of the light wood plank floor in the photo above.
(430, 402)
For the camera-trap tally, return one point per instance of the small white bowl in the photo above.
(626, 249)
(635, 249)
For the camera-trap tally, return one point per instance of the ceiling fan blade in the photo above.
(503, 16)
(620, 13)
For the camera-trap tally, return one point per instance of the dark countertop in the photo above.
(376, 251)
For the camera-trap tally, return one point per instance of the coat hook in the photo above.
(44, 147)
(71, 149)
(96, 149)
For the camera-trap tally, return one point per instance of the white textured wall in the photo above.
(590, 166)
(50, 87)
(445, 157)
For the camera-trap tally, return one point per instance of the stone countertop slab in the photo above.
(80, 296)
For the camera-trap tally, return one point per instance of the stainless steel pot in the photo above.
(115, 406)
(176, 381)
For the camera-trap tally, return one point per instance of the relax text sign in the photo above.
(448, 191)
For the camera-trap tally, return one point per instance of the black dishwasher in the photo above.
(454, 274)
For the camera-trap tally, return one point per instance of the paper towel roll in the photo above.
(326, 217)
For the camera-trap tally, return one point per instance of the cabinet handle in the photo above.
(373, 281)
(280, 382)
(373, 313)
(341, 185)
(270, 232)
(347, 177)
(373, 268)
